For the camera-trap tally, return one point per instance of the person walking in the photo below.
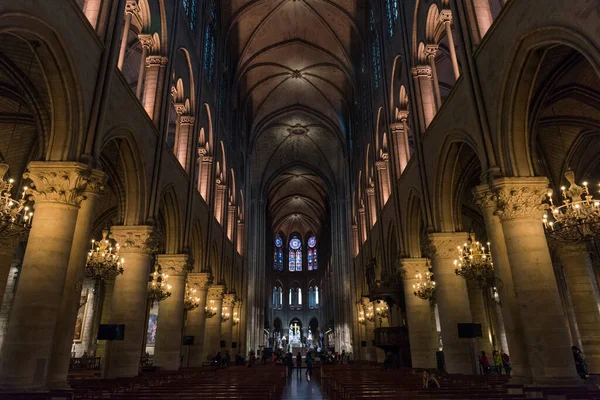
(309, 364)
(299, 365)
(290, 363)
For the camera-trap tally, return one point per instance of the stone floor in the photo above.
(298, 388)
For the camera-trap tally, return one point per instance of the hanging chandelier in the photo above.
(158, 289)
(425, 287)
(236, 318)
(191, 301)
(210, 310)
(369, 314)
(361, 317)
(578, 219)
(225, 316)
(15, 214)
(381, 310)
(475, 264)
(103, 261)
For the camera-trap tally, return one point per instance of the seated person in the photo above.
(429, 381)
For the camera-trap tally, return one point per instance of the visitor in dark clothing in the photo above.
(217, 359)
(299, 364)
(580, 363)
(309, 364)
(289, 360)
(429, 381)
(484, 363)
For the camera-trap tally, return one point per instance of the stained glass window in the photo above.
(375, 51)
(278, 254)
(210, 44)
(189, 6)
(312, 253)
(295, 254)
(391, 12)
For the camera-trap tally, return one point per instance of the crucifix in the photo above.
(295, 328)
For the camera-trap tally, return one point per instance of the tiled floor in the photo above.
(298, 388)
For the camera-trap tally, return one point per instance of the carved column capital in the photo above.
(175, 264)
(156, 61)
(421, 71)
(179, 108)
(61, 182)
(131, 7)
(370, 191)
(413, 266)
(136, 239)
(484, 197)
(199, 280)
(146, 40)
(229, 300)
(443, 246)
(431, 50)
(445, 16)
(382, 164)
(397, 126)
(207, 159)
(215, 292)
(521, 197)
(187, 120)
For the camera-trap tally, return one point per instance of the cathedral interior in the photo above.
(385, 187)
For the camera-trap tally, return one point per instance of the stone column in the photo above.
(400, 142)
(430, 53)
(231, 217)
(384, 177)
(170, 312)
(363, 224)
(186, 129)
(483, 13)
(196, 318)
(480, 315)
(212, 330)
(424, 85)
(544, 327)
(355, 243)
(220, 200)
(146, 42)
(206, 173)
(7, 255)
(372, 205)
(446, 18)
(130, 8)
(155, 66)
(58, 192)
(130, 298)
(227, 326)
(63, 334)
(237, 314)
(511, 314)
(582, 286)
(452, 301)
(240, 237)
(369, 310)
(108, 289)
(421, 331)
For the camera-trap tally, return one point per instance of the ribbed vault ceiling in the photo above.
(295, 76)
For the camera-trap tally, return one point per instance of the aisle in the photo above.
(298, 388)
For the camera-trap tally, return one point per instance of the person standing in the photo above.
(309, 363)
(580, 363)
(484, 363)
(299, 364)
(290, 363)
(497, 361)
(506, 363)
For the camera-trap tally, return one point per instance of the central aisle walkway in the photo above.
(300, 389)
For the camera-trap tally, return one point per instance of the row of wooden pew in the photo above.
(363, 382)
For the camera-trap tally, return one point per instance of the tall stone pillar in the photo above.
(452, 301)
(400, 142)
(480, 315)
(212, 329)
(7, 255)
(582, 286)
(424, 85)
(372, 205)
(227, 325)
(363, 224)
(196, 318)
(130, 298)
(107, 296)
(355, 243)
(511, 313)
(63, 334)
(184, 137)
(430, 53)
(421, 331)
(130, 8)
(58, 192)
(446, 18)
(240, 237)
(170, 312)
(205, 176)
(231, 217)
(237, 318)
(220, 201)
(146, 42)
(369, 311)
(155, 66)
(545, 330)
(384, 177)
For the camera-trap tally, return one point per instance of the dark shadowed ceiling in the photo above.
(295, 76)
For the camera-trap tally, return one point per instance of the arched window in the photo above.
(291, 298)
(189, 6)
(210, 44)
(280, 294)
(316, 297)
(278, 254)
(391, 12)
(295, 262)
(312, 254)
(375, 51)
(277, 297)
(299, 297)
(313, 297)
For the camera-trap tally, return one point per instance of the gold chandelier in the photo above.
(103, 261)
(475, 264)
(191, 301)
(236, 318)
(369, 314)
(225, 316)
(15, 214)
(425, 287)
(210, 310)
(361, 317)
(158, 288)
(578, 219)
